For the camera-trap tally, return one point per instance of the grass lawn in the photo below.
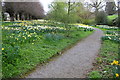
(112, 17)
(25, 48)
(7, 23)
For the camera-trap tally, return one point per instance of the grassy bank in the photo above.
(25, 47)
(112, 20)
(104, 66)
(112, 17)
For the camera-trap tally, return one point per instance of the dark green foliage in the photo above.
(101, 18)
(53, 37)
(111, 38)
(111, 32)
(88, 21)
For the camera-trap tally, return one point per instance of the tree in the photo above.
(110, 8)
(0, 10)
(84, 13)
(57, 11)
(101, 18)
(72, 10)
(64, 12)
(118, 15)
(9, 8)
(37, 10)
(30, 10)
(97, 5)
(25, 10)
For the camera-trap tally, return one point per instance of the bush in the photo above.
(111, 38)
(88, 21)
(101, 18)
(53, 37)
(110, 22)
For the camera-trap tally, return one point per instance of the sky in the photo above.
(45, 3)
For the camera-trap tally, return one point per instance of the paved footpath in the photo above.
(73, 63)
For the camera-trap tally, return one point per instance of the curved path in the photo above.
(73, 63)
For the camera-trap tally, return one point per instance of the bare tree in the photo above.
(84, 12)
(119, 15)
(9, 8)
(29, 10)
(25, 10)
(37, 10)
(97, 5)
(110, 8)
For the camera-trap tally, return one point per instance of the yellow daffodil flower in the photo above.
(115, 62)
(3, 49)
(117, 75)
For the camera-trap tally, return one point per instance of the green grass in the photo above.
(108, 53)
(112, 17)
(7, 23)
(17, 62)
(95, 74)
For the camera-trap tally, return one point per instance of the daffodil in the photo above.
(2, 48)
(25, 37)
(117, 75)
(115, 62)
(29, 35)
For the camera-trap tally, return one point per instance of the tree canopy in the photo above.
(24, 9)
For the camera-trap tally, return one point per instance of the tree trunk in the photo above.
(119, 15)
(23, 17)
(11, 16)
(33, 17)
(16, 16)
(20, 16)
(96, 13)
(29, 17)
(3, 16)
(26, 16)
(69, 7)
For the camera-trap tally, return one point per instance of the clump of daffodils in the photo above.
(115, 63)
